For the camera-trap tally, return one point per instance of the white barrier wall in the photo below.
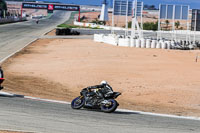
(158, 45)
(168, 44)
(138, 43)
(143, 43)
(172, 44)
(110, 39)
(153, 44)
(98, 37)
(148, 43)
(132, 42)
(124, 42)
(163, 45)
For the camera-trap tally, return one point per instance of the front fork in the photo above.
(79, 100)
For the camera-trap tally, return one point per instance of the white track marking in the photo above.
(121, 110)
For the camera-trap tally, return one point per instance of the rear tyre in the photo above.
(111, 107)
(78, 102)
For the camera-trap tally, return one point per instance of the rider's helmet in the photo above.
(103, 82)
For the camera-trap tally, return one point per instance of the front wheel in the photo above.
(78, 102)
(110, 106)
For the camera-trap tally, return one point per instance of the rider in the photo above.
(104, 90)
(37, 21)
(1, 78)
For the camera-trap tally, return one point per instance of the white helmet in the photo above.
(103, 82)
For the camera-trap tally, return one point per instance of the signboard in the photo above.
(179, 12)
(66, 7)
(195, 23)
(120, 7)
(34, 5)
(51, 6)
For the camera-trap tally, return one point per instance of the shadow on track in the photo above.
(116, 112)
(125, 112)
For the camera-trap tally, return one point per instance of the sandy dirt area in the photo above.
(153, 80)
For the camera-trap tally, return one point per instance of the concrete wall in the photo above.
(96, 31)
(11, 20)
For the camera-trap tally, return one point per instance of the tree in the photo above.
(167, 23)
(149, 7)
(146, 7)
(177, 24)
(152, 7)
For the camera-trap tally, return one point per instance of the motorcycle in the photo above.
(105, 103)
(37, 21)
(1, 81)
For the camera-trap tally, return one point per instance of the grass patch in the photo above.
(68, 26)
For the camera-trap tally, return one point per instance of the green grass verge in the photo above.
(68, 26)
(69, 23)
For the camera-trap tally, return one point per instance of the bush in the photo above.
(147, 25)
(150, 26)
(96, 21)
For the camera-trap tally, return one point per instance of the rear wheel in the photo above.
(110, 106)
(78, 102)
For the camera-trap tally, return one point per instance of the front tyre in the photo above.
(110, 106)
(78, 102)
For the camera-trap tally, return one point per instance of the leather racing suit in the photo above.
(104, 90)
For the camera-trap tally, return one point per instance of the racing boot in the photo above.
(88, 102)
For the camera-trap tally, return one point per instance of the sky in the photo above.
(194, 4)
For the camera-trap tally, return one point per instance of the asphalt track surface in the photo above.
(21, 114)
(46, 117)
(14, 37)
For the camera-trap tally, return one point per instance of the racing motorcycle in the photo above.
(105, 103)
(1, 81)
